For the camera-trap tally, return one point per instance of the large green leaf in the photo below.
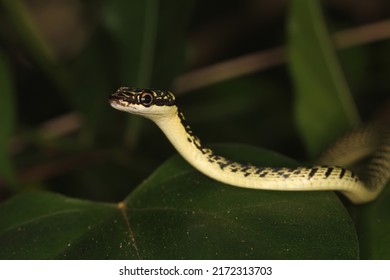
(177, 213)
(324, 107)
(7, 121)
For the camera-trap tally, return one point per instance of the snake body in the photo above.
(160, 107)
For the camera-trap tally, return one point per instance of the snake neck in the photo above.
(203, 159)
(180, 134)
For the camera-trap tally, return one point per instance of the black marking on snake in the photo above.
(313, 171)
(213, 158)
(328, 172)
(342, 173)
(263, 174)
(245, 169)
(192, 137)
(297, 172)
(259, 170)
(216, 157)
(284, 174)
(222, 165)
(276, 169)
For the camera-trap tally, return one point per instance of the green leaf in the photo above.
(7, 121)
(374, 228)
(324, 107)
(149, 37)
(28, 33)
(132, 26)
(178, 213)
(23, 23)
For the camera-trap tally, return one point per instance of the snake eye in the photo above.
(146, 99)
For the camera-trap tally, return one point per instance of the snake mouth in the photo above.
(128, 100)
(122, 97)
(114, 98)
(125, 100)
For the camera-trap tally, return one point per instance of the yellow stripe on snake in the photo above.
(160, 107)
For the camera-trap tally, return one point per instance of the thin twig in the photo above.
(257, 61)
(54, 128)
(362, 35)
(229, 69)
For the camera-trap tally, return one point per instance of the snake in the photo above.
(160, 107)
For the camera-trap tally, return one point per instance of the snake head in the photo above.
(149, 103)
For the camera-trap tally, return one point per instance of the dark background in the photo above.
(63, 59)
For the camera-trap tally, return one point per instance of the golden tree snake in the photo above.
(160, 106)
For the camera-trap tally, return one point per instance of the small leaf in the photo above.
(179, 213)
(324, 107)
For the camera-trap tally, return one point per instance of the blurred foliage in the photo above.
(328, 110)
(59, 61)
(7, 122)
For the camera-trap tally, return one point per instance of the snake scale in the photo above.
(160, 106)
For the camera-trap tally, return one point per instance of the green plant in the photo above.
(102, 157)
